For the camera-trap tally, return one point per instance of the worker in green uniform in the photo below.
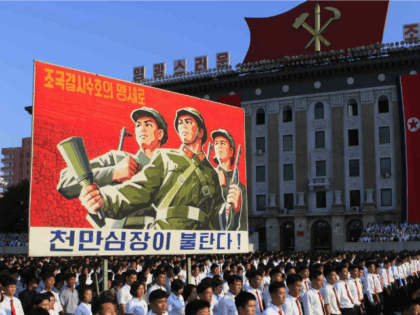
(115, 167)
(180, 184)
(225, 150)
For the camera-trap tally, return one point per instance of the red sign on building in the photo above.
(222, 59)
(411, 32)
(139, 73)
(201, 63)
(180, 66)
(159, 70)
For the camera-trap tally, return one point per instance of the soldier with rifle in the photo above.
(227, 169)
(117, 166)
(180, 184)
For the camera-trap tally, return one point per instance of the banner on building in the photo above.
(410, 120)
(122, 168)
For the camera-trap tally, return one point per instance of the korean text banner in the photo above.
(410, 96)
(122, 168)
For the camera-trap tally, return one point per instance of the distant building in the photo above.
(17, 163)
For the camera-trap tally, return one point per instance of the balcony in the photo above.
(9, 159)
(315, 183)
(5, 168)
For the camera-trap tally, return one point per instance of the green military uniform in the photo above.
(182, 186)
(237, 221)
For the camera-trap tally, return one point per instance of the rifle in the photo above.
(209, 148)
(123, 134)
(235, 175)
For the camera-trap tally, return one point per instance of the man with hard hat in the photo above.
(116, 166)
(180, 184)
(225, 150)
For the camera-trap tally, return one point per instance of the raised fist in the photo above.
(234, 198)
(91, 198)
(125, 169)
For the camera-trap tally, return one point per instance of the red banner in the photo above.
(339, 25)
(410, 94)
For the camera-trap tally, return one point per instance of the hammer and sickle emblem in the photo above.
(317, 32)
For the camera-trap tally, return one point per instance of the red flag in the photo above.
(410, 94)
(234, 100)
(342, 24)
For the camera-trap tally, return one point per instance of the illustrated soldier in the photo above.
(116, 167)
(225, 150)
(180, 184)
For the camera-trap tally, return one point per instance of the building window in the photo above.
(288, 172)
(287, 114)
(321, 168)
(287, 143)
(354, 198)
(260, 174)
(352, 108)
(383, 105)
(353, 137)
(8, 156)
(319, 110)
(321, 199)
(385, 165)
(384, 135)
(354, 168)
(354, 230)
(27, 163)
(288, 202)
(261, 202)
(260, 144)
(28, 155)
(319, 139)
(260, 117)
(27, 172)
(386, 197)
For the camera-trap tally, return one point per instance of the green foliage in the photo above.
(14, 209)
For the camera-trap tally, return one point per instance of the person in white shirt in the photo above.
(175, 300)
(313, 304)
(195, 275)
(217, 285)
(137, 304)
(278, 298)
(226, 305)
(158, 303)
(198, 307)
(292, 306)
(370, 290)
(387, 293)
(245, 303)
(49, 280)
(124, 295)
(9, 301)
(356, 289)
(159, 276)
(84, 307)
(275, 276)
(329, 294)
(255, 280)
(205, 292)
(306, 284)
(343, 291)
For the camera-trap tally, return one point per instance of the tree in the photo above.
(14, 208)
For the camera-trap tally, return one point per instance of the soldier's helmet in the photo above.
(150, 112)
(196, 115)
(225, 134)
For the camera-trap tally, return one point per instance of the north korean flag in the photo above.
(410, 97)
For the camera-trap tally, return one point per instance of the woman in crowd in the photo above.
(137, 303)
(85, 308)
(176, 300)
(190, 293)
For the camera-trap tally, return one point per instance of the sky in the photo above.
(110, 38)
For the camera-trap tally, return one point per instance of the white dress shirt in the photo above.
(313, 303)
(355, 290)
(290, 307)
(153, 288)
(57, 305)
(226, 305)
(369, 287)
(175, 304)
(306, 285)
(259, 309)
(273, 310)
(134, 304)
(344, 295)
(6, 305)
(124, 295)
(83, 309)
(329, 297)
(266, 298)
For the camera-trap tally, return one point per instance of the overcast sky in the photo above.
(110, 38)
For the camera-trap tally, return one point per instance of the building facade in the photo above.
(17, 163)
(323, 141)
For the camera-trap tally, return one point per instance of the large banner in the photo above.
(122, 168)
(410, 97)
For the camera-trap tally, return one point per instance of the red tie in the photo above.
(196, 281)
(280, 312)
(336, 298)
(259, 301)
(306, 285)
(298, 306)
(348, 293)
(387, 276)
(358, 292)
(12, 307)
(374, 285)
(382, 285)
(322, 302)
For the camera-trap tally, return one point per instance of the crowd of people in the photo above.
(393, 232)
(13, 239)
(255, 283)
